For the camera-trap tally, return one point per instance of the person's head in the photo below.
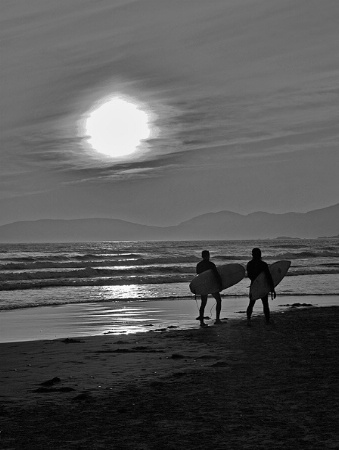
(205, 254)
(256, 253)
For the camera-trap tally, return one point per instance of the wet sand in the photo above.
(121, 317)
(223, 387)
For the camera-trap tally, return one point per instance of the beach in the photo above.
(142, 141)
(223, 387)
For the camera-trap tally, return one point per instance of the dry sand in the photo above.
(223, 387)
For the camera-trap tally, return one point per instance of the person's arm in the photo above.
(199, 269)
(250, 276)
(270, 281)
(217, 275)
(249, 272)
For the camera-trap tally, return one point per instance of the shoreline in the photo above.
(123, 318)
(226, 386)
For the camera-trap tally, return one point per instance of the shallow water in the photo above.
(120, 317)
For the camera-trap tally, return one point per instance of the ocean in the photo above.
(34, 275)
(51, 291)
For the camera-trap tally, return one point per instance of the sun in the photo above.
(117, 128)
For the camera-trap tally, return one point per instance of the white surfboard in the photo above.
(205, 283)
(261, 286)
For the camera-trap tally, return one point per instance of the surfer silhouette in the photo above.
(202, 266)
(254, 268)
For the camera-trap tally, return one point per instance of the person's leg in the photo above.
(249, 311)
(217, 297)
(202, 309)
(266, 308)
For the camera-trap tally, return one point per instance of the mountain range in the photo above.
(223, 225)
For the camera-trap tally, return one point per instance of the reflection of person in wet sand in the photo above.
(202, 266)
(254, 268)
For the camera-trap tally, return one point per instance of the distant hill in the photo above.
(261, 225)
(220, 225)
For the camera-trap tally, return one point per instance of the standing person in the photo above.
(254, 268)
(202, 266)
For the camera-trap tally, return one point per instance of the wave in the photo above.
(91, 256)
(100, 281)
(305, 255)
(45, 263)
(92, 272)
(74, 301)
(289, 246)
(97, 277)
(37, 304)
(74, 270)
(88, 260)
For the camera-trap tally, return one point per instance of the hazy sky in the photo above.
(242, 97)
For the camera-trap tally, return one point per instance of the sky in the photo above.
(241, 98)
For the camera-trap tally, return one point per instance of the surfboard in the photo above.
(205, 283)
(260, 285)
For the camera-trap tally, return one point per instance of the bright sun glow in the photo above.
(116, 128)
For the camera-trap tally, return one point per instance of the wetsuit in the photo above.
(202, 266)
(254, 268)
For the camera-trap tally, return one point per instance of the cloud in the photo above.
(230, 85)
